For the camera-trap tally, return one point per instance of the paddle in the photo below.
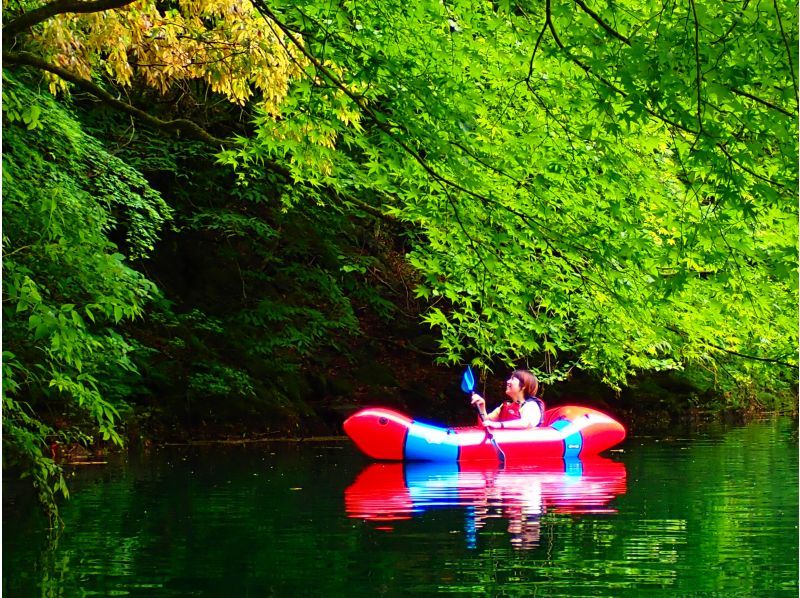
(468, 386)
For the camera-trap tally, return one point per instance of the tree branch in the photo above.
(609, 29)
(750, 171)
(36, 16)
(744, 94)
(736, 353)
(790, 54)
(533, 55)
(179, 125)
(698, 72)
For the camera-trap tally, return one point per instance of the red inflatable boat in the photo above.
(567, 432)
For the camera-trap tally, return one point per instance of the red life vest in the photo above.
(510, 411)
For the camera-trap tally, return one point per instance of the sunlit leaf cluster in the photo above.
(225, 43)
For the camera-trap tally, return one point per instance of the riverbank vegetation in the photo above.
(240, 216)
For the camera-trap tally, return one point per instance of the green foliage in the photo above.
(23, 438)
(66, 287)
(612, 189)
(221, 381)
(15, 110)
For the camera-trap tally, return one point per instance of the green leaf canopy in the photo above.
(611, 187)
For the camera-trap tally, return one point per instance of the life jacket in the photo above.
(510, 410)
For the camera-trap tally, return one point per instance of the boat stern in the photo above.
(586, 431)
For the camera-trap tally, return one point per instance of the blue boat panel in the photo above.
(572, 443)
(430, 443)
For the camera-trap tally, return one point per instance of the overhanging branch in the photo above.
(36, 16)
(609, 29)
(776, 361)
(789, 53)
(177, 126)
(762, 101)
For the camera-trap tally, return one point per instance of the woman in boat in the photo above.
(523, 410)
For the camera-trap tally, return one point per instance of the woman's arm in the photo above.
(494, 415)
(480, 404)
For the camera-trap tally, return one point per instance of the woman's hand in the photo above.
(492, 425)
(479, 402)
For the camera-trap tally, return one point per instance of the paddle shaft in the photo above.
(500, 454)
(468, 386)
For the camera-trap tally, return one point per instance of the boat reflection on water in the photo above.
(388, 492)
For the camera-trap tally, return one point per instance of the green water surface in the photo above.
(713, 513)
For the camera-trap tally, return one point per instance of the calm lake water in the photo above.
(712, 513)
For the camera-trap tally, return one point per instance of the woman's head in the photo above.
(522, 381)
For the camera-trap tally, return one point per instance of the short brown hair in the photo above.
(528, 382)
